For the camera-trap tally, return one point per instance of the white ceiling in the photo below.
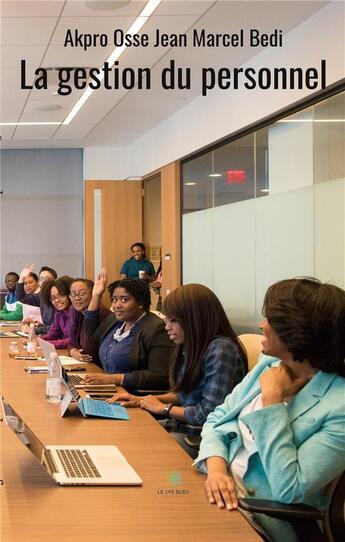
(35, 31)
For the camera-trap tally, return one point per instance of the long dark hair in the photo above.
(309, 318)
(199, 312)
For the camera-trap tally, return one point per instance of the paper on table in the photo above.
(67, 360)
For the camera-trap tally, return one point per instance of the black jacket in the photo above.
(150, 352)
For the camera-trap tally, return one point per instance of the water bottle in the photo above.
(31, 342)
(13, 349)
(53, 382)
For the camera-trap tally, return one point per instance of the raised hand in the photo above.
(26, 271)
(100, 284)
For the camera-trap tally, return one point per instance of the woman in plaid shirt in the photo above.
(209, 361)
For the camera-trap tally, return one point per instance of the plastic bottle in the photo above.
(31, 342)
(53, 382)
(13, 349)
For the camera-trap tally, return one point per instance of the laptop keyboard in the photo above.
(78, 464)
(75, 379)
(97, 408)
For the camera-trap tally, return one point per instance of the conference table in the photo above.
(169, 506)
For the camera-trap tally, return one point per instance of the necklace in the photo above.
(120, 334)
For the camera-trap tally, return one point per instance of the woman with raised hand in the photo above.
(208, 362)
(280, 435)
(134, 348)
(30, 294)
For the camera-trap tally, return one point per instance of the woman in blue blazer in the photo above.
(280, 434)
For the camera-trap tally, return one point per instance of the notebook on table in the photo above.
(73, 464)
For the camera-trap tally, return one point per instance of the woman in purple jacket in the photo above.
(56, 293)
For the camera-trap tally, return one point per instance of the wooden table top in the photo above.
(170, 504)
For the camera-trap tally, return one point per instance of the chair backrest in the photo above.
(334, 518)
(252, 344)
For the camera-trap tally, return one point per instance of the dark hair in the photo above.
(112, 287)
(49, 270)
(88, 283)
(309, 318)
(141, 245)
(137, 288)
(33, 275)
(62, 285)
(202, 317)
(12, 273)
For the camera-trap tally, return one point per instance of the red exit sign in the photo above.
(236, 176)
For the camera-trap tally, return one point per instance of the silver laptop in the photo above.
(48, 348)
(70, 465)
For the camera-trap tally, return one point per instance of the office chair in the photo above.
(252, 345)
(304, 518)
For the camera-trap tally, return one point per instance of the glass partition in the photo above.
(267, 206)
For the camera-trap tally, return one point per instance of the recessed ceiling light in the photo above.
(265, 190)
(103, 5)
(215, 175)
(190, 184)
(48, 107)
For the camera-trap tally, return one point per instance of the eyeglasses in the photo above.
(79, 295)
(170, 321)
(57, 298)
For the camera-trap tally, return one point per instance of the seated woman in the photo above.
(83, 348)
(25, 293)
(208, 362)
(280, 435)
(56, 293)
(12, 310)
(134, 347)
(138, 266)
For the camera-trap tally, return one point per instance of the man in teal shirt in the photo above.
(138, 266)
